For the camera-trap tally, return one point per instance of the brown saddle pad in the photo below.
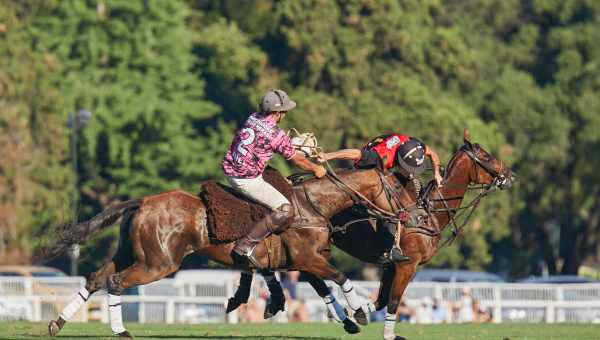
(230, 215)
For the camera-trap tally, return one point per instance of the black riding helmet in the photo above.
(411, 156)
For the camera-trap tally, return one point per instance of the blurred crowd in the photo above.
(465, 309)
(295, 309)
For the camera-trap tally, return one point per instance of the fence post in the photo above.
(170, 311)
(104, 308)
(497, 318)
(560, 298)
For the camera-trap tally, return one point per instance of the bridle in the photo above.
(499, 180)
(392, 194)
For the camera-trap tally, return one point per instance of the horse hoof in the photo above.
(350, 327)
(361, 317)
(125, 334)
(232, 305)
(53, 328)
(275, 304)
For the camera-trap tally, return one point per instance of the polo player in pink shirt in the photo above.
(245, 161)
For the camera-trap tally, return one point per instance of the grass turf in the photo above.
(313, 331)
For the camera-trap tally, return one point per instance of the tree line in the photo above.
(168, 82)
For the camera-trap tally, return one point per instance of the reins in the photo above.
(393, 196)
(359, 199)
(455, 213)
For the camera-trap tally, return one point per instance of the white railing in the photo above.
(202, 297)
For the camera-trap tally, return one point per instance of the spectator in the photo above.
(298, 312)
(370, 273)
(377, 316)
(439, 312)
(424, 312)
(480, 314)
(404, 312)
(252, 311)
(465, 306)
(289, 281)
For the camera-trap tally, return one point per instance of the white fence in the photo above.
(201, 297)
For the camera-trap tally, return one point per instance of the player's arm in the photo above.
(352, 154)
(435, 161)
(303, 163)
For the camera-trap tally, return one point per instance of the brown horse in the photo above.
(158, 231)
(471, 164)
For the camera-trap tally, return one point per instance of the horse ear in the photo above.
(467, 137)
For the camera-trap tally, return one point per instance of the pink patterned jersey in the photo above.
(253, 145)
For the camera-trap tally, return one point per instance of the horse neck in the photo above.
(453, 191)
(332, 199)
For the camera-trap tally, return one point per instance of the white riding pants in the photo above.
(259, 190)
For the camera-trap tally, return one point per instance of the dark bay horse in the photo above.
(471, 164)
(158, 231)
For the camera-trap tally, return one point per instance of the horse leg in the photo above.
(242, 293)
(276, 300)
(335, 309)
(320, 267)
(404, 273)
(138, 274)
(97, 280)
(152, 258)
(385, 285)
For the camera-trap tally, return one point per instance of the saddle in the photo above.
(230, 214)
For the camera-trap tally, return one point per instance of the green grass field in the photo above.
(315, 331)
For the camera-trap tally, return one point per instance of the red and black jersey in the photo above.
(384, 147)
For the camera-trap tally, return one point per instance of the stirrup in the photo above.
(246, 260)
(396, 255)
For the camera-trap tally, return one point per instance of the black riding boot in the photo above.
(386, 232)
(243, 252)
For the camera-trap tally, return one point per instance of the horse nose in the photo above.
(510, 179)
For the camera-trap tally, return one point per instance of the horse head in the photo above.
(486, 169)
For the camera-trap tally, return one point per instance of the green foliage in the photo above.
(34, 180)
(130, 62)
(168, 81)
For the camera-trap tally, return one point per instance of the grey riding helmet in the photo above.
(276, 100)
(411, 156)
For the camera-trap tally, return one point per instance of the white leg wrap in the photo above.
(115, 314)
(388, 326)
(78, 301)
(368, 307)
(350, 294)
(335, 309)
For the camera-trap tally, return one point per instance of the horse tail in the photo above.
(78, 233)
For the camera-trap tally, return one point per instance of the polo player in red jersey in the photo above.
(252, 147)
(393, 151)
